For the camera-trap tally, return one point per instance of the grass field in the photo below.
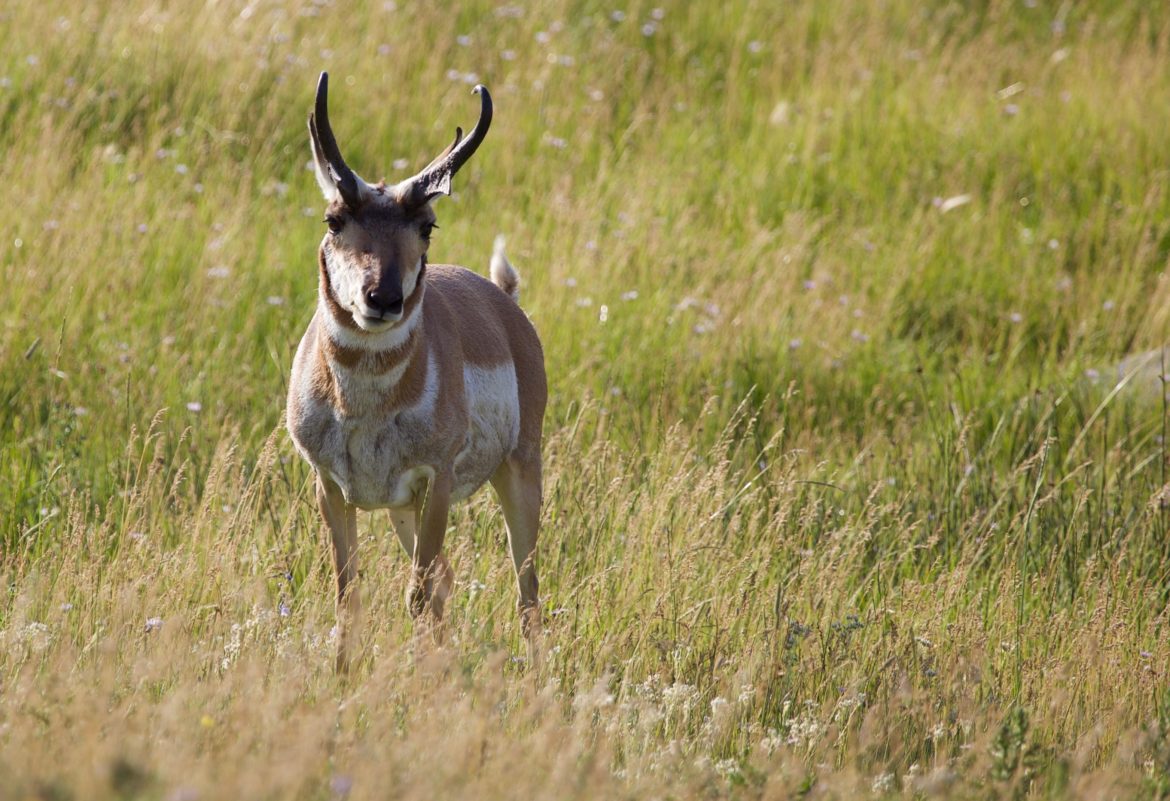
(833, 504)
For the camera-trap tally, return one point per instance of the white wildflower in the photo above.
(883, 783)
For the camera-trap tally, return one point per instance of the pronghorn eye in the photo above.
(425, 230)
(335, 223)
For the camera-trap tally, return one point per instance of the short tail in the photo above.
(504, 275)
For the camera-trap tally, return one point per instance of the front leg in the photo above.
(341, 520)
(405, 526)
(431, 576)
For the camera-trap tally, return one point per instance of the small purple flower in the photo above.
(341, 785)
(153, 624)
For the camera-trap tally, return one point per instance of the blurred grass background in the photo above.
(839, 499)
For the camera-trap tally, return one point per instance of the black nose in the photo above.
(384, 301)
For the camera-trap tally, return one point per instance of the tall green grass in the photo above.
(834, 502)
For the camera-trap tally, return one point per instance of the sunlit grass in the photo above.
(838, 498)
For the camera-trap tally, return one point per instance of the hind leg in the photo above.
(518, 486)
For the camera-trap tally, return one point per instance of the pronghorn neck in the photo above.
(372, 371)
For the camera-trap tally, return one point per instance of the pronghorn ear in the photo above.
(321, 170)
(439, 185)
(414, 194)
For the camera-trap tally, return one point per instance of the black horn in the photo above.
(435, 179)
(322, 132)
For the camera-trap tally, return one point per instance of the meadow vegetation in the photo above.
(840, 498)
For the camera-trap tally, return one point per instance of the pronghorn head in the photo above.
(377, 241)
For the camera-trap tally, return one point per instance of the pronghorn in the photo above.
(415, 383)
